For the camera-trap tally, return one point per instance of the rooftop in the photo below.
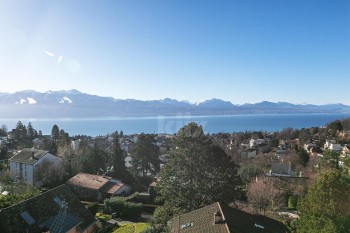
(89, 181)
(26, 156)
(233, 220)
(31, 215)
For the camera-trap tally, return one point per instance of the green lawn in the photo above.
(131, 228)
(104, 217)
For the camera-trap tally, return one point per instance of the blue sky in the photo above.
(242, 51)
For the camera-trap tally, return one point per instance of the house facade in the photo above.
(281, 169)
(24, 164)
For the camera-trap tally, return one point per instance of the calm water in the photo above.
(170, 125)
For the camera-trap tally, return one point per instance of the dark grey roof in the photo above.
(234, 220)
(43, 209)
(26, 156)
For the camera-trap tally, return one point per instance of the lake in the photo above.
(165, 124)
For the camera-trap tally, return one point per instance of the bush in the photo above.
(122, 208)
(93, 207)
(292, 202)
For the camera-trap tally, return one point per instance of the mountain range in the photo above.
(73, 103)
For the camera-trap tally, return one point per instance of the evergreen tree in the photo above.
(30, 131)
(3, 131)
(197, 173)
(55, 133)
(118, 161)
(326, 206)
(20, 131)
(145, 155)
(303, 157)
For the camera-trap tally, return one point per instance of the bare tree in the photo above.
(263, 195)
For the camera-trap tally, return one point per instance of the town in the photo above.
(188, 181)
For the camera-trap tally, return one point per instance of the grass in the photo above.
(104, 217)
(131, 228)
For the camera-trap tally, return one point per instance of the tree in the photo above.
(30, 131)
(20, 131)
(3, 131)
(263, 195)
(249, 171)
(55, 133)
(303, 157)
(332, 157)
(118, 161)
(49, 174)
(197, 173)
(145, 155)
(94, 160)
(334, 127)
(326, 206)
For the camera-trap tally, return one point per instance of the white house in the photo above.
(281, 169)
(25, 162)
(332, 145)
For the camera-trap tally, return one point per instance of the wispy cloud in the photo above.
(49, 53)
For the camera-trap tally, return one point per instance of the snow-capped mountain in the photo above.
(73, 103)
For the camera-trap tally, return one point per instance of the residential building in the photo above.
(332, 145)
(96, 187)
(280, 169)
(24, 164)
(57, 210)
(249, 153)
(221, 218)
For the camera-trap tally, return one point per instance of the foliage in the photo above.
(103, 217)
(3, 131)
(332, 157)
(249, 171)
(334, 127)
(292, 202)
(132, 228)
(55, 133)
(94, 160)
(17, 194)
(122, 208)
(145, 155)
(117, 161)
(326, 206)
(303, 157)
(49, 174)
(93, 207)
(197, 173)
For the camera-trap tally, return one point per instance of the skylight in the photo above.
(183, 226)
(58, 201)
(26, 216)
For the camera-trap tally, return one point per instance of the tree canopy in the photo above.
(197, 173)
(326, 206)
(145, 155)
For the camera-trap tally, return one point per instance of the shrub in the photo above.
(93, 207)
(122, 208)
(292, 202)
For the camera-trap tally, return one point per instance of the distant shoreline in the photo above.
(94, 126)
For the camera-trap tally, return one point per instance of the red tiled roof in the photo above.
(89, 181)
(112, 187)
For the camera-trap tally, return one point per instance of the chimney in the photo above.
(218, 217)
